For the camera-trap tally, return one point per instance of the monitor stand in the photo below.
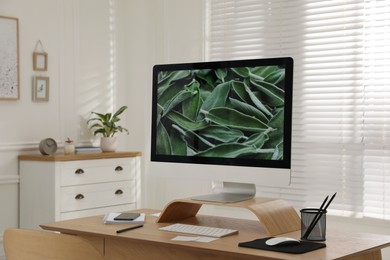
(231, 192)
(276, 216)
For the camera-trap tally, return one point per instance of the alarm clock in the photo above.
(48, 146)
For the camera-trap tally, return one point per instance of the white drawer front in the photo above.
(96, 171)
(97, 195)
(96, 211)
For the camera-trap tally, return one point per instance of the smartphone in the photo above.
(127, 216)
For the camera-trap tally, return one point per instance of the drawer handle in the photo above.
(79, 197)
(118, 168)
(79, 171)
(118, 192)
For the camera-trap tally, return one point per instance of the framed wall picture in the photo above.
(40, 61)
(9, 58)
(40, 89)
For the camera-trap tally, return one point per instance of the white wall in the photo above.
(85, 42)
(101, 54)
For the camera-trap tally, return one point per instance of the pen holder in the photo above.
(313, 224)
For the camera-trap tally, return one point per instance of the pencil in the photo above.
(318, 216)
(129, 228)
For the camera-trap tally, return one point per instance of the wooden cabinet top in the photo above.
(78, 156)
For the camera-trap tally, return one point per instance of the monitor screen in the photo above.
(223, 113)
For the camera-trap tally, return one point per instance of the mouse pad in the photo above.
(303, 247)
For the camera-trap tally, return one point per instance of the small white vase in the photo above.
(69, 148)
(108, 144)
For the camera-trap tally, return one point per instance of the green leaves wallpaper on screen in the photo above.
(227, 113)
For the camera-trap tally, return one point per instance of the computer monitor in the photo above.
(224, 120)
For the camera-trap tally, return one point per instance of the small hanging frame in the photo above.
(40, 58)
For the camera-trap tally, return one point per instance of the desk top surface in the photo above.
(339, 244)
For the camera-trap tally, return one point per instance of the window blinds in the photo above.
(341, 118)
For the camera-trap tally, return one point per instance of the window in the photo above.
(341, 120)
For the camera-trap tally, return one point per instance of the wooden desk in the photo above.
(150, 243)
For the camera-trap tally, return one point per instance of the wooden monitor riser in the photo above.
(276, 215)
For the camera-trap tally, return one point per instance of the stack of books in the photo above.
(88, 149)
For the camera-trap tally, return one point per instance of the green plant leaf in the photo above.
(191, 106)
(166, 80)
(163, 144)
(179, 98)
(119, 111)
(240, 91)
(122, 129)
(99, 117)
(257, 102)
(221, 134)
(193, 138)
(186, 122)
(169, 93)
(257, 140)
(232, 118)
(262, 72)
(107, 117)
(178, 144)
(277, 121)
(218, 97)
(208, 77)
(278, 154)
(100, 131)
(264, 154)
(273, 95)
(228, 151)
(242, 71)
(248, 110)
(221, 74)
(275, 138)
(275, 77)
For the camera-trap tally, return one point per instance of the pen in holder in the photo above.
(313, 224)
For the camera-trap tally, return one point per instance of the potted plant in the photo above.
(107, 126)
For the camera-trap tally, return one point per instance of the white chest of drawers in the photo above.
(62, 187)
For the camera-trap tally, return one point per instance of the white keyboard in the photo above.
(199, 230)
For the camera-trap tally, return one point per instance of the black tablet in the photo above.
(127, 216)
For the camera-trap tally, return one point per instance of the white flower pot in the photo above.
(108, 144)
